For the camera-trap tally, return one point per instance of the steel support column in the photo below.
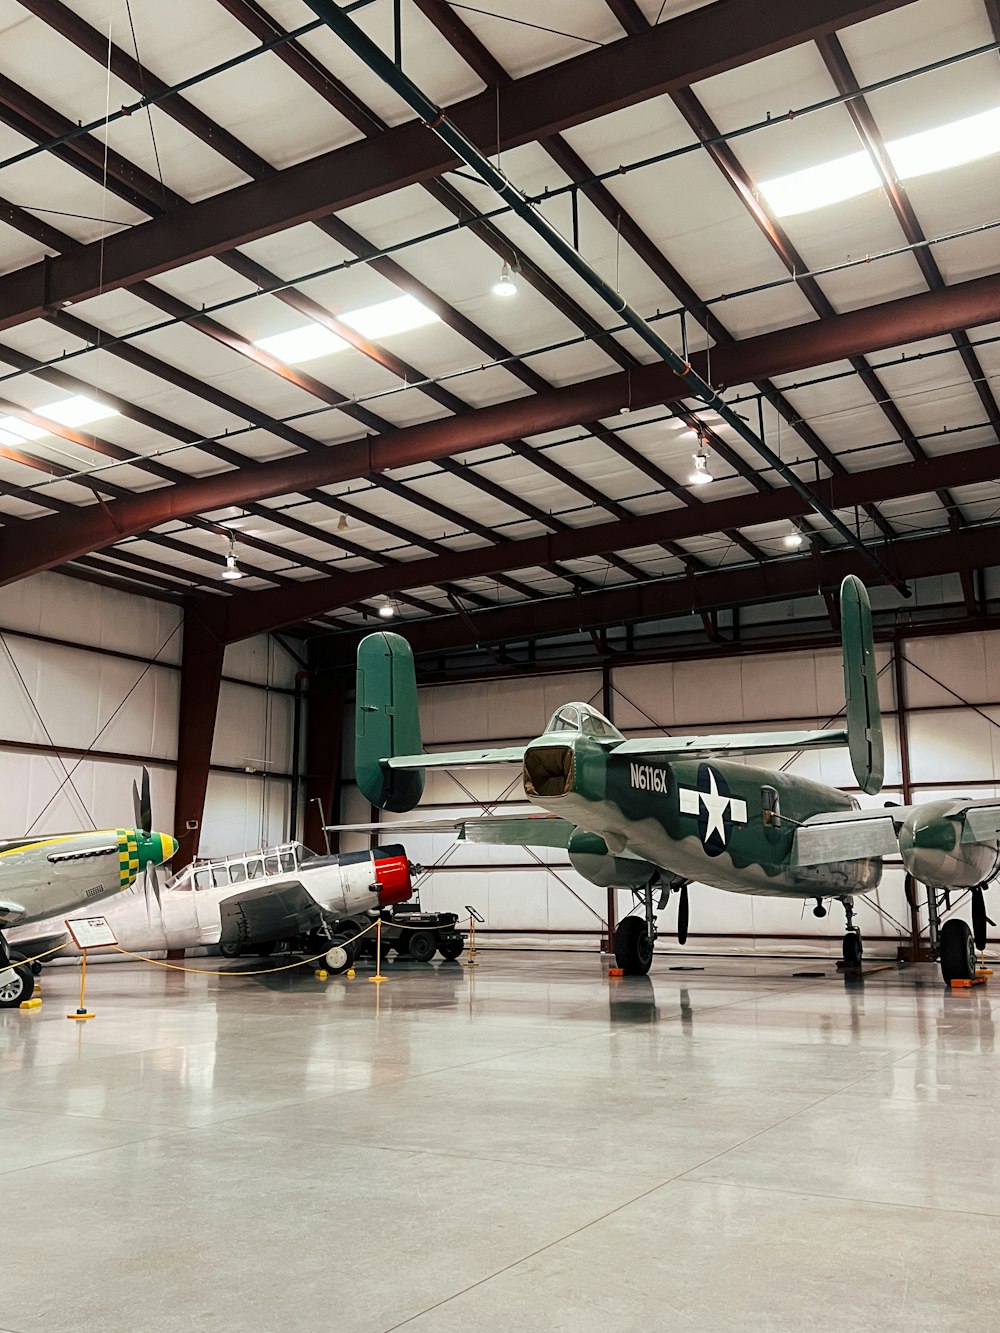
(324, 747)
(201, 679)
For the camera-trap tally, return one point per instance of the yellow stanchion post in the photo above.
(471, 960)
(83, 1011)
(378, 954)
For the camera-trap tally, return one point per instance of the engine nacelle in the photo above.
(379, 878)
(930, 843)
(590, 857)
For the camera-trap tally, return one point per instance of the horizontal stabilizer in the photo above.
(752, 742)
(511, 754)
(520, 829)
(982, 823)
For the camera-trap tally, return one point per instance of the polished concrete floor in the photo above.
(527, 1145)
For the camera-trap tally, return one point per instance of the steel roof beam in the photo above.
(691, 47)
(263, 611)
(907, 319)
(916, 558)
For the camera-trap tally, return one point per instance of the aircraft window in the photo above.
(255, 869)
(288, 860)
(237, 872)
(595, 724)
(219, 877)
(203, 879)
(271, 866)
(565, 719)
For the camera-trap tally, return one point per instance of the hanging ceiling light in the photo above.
(232, 569)
(505, 286)
(793, 540)
(387, 608)
(700, 475)
(342, 523)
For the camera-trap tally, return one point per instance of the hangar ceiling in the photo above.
(245, 297)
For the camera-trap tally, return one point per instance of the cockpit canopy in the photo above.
(582, 720)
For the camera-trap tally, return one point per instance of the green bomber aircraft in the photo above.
(656, 814)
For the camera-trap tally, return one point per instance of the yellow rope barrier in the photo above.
(263, 972)
(25, 962)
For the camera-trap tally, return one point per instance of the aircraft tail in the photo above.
(864, 718)
(387, 723)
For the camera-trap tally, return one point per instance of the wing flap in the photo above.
(524, 828)
(761, 742)
(825, 839)
(267, 913)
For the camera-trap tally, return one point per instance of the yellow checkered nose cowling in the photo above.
(136, 851)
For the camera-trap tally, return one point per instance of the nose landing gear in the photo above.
(853, 948)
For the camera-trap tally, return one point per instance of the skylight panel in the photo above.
(400, 315)
(304, 344)
(80, 410)
(915, 155)
(388, 317)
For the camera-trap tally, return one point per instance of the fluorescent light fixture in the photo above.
(915, 155)
(700, 476)
(388, 317)
(311, 341)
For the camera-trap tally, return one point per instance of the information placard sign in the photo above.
(91, 932)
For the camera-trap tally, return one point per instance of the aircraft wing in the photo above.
(754, 742)
(508, 754)
(268, 912)
(850, 835)
(521, 829)
(982, 822)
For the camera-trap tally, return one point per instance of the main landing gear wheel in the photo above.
(17, 984)
(958, 952)
(633, 947)
(853, 949)
(422, 946)
(340, 956)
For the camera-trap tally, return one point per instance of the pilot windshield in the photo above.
(582, 719)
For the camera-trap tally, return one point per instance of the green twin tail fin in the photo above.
(864, 719)
(387, 723)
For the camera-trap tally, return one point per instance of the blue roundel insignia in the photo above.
(716, 807)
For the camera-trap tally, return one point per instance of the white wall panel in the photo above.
(253, 729)
(35, 796)
(243, 812)
(262, 661)
(69, 609)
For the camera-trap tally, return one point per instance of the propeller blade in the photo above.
(682, 916)
(152, 891)
(145, 820)
(136, 805)
(979, 919)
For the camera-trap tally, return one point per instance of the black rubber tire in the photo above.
(350, 953)
(633, 947)
(451, 946)
(422, 945)
(853, 949)
(19, 988)
(957, 951)
(230, 950)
